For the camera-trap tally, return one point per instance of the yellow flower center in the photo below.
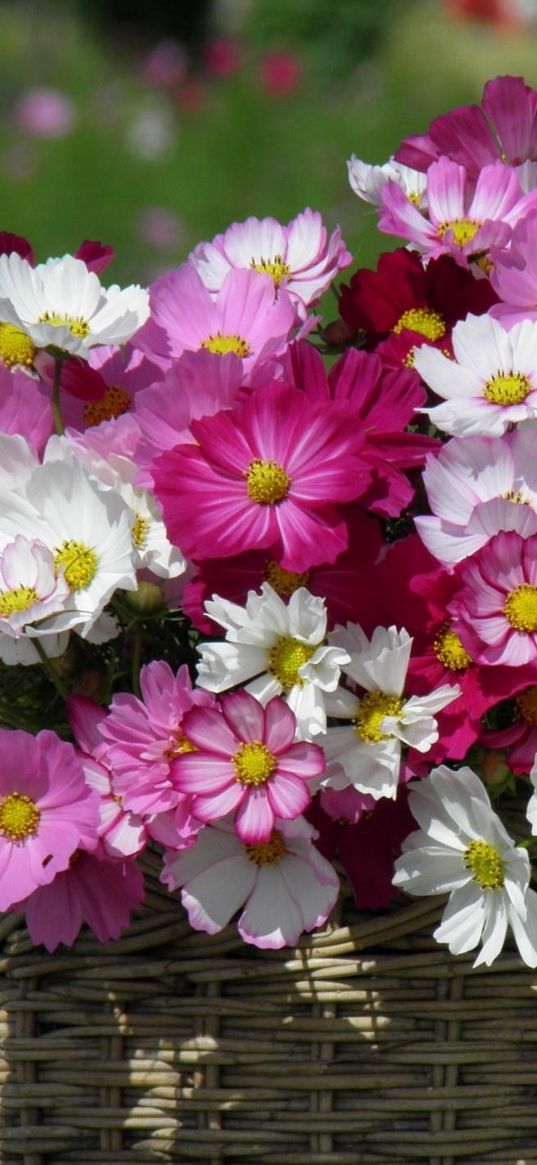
(285, 659)
(463, 230)
(424, 320)
(267, 853)
(140, 530)
(374, 707)
(19, 817)
(516, 496)
(285, 582)
(267, 482)
(224, 344)
(449, 649)
(507, 388)
(78, 326)
(486, 865)
(114, 403)
(526, 704)
(520, 608)
(16, 347)
(18, 600)
(415, 198)
(275, 267)
(179, 743)
(254, 763)
(79, 563)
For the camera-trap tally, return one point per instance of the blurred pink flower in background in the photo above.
(222, 56)
(160, 228)
(166, 65)
(280, 73)
(45, 113)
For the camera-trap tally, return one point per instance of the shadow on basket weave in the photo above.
(365, 1044)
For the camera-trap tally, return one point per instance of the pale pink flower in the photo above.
(31, 587)
(142, 738)
(284, 884)
(301, 257)
(463, 219)
(514, 275)
(495, 611)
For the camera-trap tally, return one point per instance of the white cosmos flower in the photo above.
(283, 646)
(463, 849)
(62, 303)
(366, 753)
(31, 588)
(492, 381)
(476, 487)
(98, 449)
(87, 530)
(368, 181)
(284, 884)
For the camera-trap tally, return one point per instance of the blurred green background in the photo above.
(167, 121)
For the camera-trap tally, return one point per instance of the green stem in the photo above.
(136, 661)
(51, 670)
(56, 407)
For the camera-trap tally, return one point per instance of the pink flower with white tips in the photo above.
(284, 883)
(300, 257)
(464, 220)
(246, 763)
(495, 612)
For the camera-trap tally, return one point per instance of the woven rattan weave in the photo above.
(366, 1044)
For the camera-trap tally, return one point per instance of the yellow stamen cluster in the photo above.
(267, 482)
(275, 267)
(254, 763)
(424, 320)
(520, 608)
(285, 582)
(285, 659)
(449, 650)
(224, 344)
(78, 326)
(267, 853)
(374, 707)
(486, 865)
(507, 388)
(19, 599)
(140, 530)
(79, 563)
(19, 817)
(526, 705)
(16, 347)
(179, 743)
(114, 403)
(463, 230)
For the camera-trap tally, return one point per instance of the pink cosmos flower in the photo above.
(46, 811)
(244, 318)
(283, 883)
(142, 738)
(300, 256)
(495, 612)
(463, 219)
(504, 127)
(265, 474)
(518, 739)
(514, 275)
(246, 763)
(94, 890)
(24, 409)
(102, 388)
(45, 113)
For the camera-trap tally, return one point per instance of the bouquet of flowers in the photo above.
(268, 585)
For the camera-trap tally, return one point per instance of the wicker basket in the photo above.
(365, 1044)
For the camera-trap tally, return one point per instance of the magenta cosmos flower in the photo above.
(95, 890)
(464, 219)
(495, 612)
(245, 317)
(246, 764)
(143, 737)
(266, 474)
(46, 811)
